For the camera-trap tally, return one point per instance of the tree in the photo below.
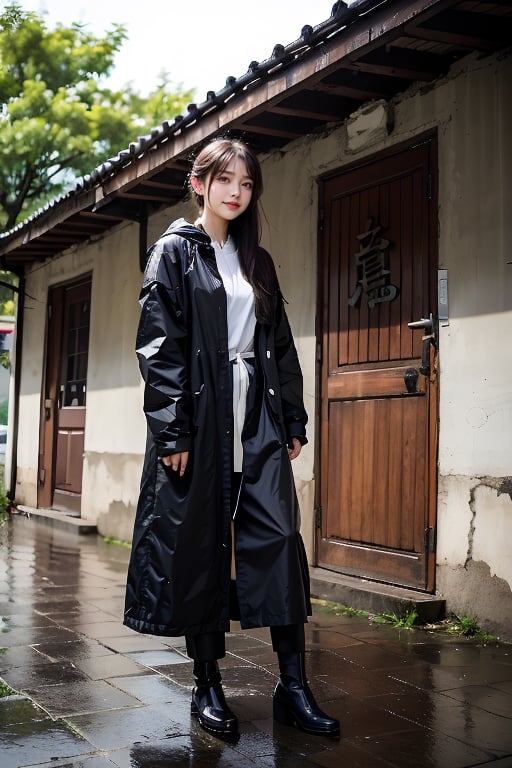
(8, 288)
(57, 119)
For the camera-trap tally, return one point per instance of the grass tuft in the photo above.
(465, 626)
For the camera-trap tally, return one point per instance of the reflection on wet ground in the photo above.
(93, 694)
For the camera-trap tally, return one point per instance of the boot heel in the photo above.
(282, 714)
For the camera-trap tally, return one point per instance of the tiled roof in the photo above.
(370, 50)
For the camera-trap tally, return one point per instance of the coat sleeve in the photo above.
(161, 347)
(290, 379)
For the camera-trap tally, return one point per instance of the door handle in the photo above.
(430, 337)
(426, 323)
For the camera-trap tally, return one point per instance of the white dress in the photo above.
(241, 324)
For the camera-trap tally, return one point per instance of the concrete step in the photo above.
(58, 520)
(374, 597)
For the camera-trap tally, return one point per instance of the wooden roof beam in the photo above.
(141, 196)
(357, 94)
(151, 183)
(307, 113)
(247, 126)
(101, 216)
(388, 70)
(464, 29)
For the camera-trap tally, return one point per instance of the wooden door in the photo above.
(64, 407)
(378, 435)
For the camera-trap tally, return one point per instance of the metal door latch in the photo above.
(430, 337)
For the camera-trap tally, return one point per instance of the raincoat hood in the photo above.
(188, 231)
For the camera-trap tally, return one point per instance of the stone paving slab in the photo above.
(96, 695)
(29, 736)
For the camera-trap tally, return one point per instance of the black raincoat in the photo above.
(179, 572)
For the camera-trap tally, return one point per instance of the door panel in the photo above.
(70, 448)
(378, 410)
(73, 389)
(61, 440)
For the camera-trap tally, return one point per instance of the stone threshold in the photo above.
(57, 520)
(375, 597)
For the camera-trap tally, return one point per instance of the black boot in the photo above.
(294, 703)
(209, 704)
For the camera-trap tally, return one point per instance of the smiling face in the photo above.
(226, 195)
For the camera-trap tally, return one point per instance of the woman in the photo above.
(223, 401)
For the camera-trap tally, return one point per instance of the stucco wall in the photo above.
(475, 451)
(114, 426)
(289, 219)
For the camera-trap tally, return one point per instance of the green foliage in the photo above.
(4, 504)
(341, 610)
(117, 542)
(4, 410)
(4, 501)
(5, 690)
(405, 621)
(7, 294)
(57, 119)
(468, 627)
(465, 625)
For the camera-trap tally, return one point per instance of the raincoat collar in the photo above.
(188, 231)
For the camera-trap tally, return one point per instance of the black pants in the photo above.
(212, 645)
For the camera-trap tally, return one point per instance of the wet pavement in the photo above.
(93, 694)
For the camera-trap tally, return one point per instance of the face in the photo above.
(228, 194)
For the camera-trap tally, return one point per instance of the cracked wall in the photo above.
(474, 556)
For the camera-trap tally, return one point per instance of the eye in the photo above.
(248, 184)
(223, 178)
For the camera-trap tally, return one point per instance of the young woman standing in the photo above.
(223, 402)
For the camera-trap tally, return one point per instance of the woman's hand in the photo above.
(296, 448)
(177, 462)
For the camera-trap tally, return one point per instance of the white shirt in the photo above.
(241, 324)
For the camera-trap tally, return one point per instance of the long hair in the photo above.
(256, 264)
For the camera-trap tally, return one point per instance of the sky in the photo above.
(198, 42)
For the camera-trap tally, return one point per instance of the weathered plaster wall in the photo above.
(289, 220)
(474, 558)
(475, 572)
(116, 427)
(114, 430)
